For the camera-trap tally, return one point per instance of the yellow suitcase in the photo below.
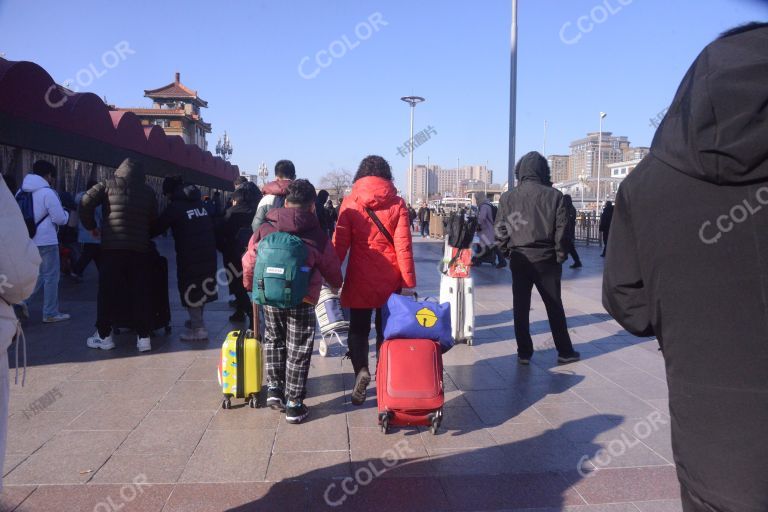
(241, 368)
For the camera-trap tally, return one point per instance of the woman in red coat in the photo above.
(380, 262)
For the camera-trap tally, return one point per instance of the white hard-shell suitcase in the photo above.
(460, 293)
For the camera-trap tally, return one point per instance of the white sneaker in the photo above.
(143, 344)
(199, 334)
(97, 341)
(56, 318)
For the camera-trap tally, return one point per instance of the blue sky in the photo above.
(243, 57)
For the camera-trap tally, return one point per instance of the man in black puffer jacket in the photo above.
(689, 264)
(531, 230)
(196, 258)
(129, 208)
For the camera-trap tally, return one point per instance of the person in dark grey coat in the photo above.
(689, 264)
(570, 230)
(605, 224)
(530, 229)
(129, 208)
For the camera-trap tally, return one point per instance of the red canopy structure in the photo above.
(40, 115)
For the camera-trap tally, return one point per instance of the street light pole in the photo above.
(512, 98)
(412, 101)
(599, 163)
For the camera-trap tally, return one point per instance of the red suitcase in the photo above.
(409, 384)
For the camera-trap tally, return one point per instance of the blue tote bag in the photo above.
(409, 318)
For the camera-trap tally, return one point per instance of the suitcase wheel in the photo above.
(253, 401)
(323, 348)
(437, 418)
(469, 342)
(384, 422)
(226, 403)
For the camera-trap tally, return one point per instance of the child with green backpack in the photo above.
(284, 267)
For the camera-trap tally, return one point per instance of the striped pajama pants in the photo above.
(288, 339)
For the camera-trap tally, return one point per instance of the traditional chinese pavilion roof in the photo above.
(37, 114)
(176, 90)
(166, 112)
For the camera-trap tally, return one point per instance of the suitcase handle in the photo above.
(256, 322)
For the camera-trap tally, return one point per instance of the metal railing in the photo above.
(587, 227)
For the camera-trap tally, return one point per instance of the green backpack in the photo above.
(281, 277)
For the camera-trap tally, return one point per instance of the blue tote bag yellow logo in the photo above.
(406, 318)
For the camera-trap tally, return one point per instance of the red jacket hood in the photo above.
(277, 187)
(373, 191)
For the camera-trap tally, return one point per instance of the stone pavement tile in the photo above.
(558, 414)
(190, 395)
(608, 364)
(660, 404)
(621, 452)
(108, 369)
(660, 506)
(403, 461)
(63, 396)
(236, 497)
(641, 384)
(144, 383)
(242, 418)
(13, 495)
(493, 492)
(422, 494)
(627, 484)
(27, 435)
(654, 434)
(306, 466)
(490, 460)
(138, 497)
(405, 440)
(477, 376)
(326, 433)
(70, 457)
(167, 432)
(123, 467)
(460, 418)
(363, 416)
(616, 401)
(12, 460)
(230, 456)
(113, 414)
(203, 368)
(457, 438)
(499, 406)
(534, 448)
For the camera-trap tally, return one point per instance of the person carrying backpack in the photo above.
(233, 233)
(42, 211)
(274, 192)
(486, 216)
(285, 265)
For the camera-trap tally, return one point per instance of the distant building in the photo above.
(637, 153)
(622, 169)
(428, 182)
(558, 166)
(584, 154)
(176, 109)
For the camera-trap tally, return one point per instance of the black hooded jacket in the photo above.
(129, 207)
(689, 263)
(195, 242)
(532, 218)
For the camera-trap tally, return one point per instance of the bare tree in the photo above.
(336, 182)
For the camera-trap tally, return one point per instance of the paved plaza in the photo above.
(118, 430)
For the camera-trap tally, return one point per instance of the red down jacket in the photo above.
(375, 269)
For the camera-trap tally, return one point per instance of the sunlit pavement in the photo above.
(119, 430)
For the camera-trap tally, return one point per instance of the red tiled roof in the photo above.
(154, 111)
(175, 90)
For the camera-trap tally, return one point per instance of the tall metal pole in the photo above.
(412, 101)
(599, 163)
(544, 146)
(512, 99)
(410, 166)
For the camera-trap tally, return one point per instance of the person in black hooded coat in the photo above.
(689, 264)
(531, 231)
(233, 232)
(196, 258)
